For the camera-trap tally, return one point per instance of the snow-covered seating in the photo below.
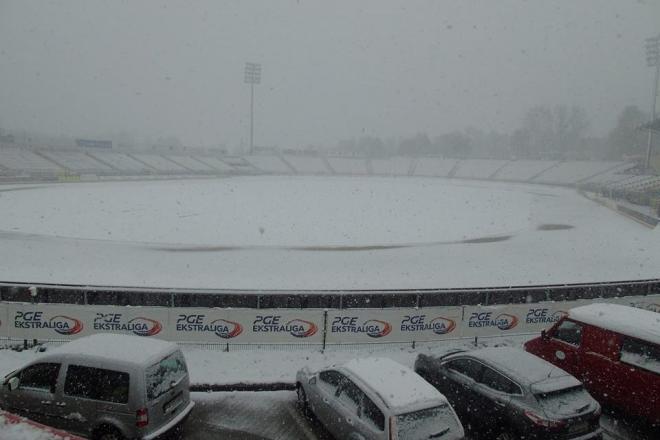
(189, 163)
(392, 166)
(306, 164)
(19, 159)
(159, 163)
(478, 168)
(77, 161)
(433, 166)
(522, 170)
(269, 164)
(121, 162)
(215, 163)
(566, 173)
(349, 165)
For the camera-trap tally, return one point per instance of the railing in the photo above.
(318, 299)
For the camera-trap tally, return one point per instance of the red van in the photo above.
(614, 350)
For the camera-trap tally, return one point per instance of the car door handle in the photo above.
(60, 404)
(46, 402)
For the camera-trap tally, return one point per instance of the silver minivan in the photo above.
(105, 387)
(377, 399)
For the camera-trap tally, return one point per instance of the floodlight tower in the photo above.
(652, 60)
(252, 77)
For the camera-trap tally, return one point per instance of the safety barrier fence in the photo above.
(318, 299)
(218, 327)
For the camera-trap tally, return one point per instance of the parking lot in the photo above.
(274, 416)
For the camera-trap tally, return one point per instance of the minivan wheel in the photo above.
(108, 434)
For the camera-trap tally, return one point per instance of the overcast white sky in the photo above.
(331, 69)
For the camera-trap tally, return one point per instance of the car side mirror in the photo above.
(312, 380)
(13, 383)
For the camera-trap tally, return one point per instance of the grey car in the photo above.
(377, 399)
(105, 387)
(507, 393)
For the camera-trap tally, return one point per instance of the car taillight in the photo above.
(542, 421)
(141, 418)
(393, 433)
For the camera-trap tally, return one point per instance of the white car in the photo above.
(377, 398)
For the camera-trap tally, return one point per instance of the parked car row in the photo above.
(610, 352)
(111, 387)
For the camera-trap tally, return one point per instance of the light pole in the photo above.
(652, 60)
(252, 77)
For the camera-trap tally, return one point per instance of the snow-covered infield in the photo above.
(313, 233)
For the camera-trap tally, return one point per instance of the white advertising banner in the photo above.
(54, 321)
(393, 325)
(287, 326)
(4, 328)
(514, 319)
(246, 326)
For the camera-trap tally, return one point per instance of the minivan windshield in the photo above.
(564, 401)
(436, 422)
(163, 375)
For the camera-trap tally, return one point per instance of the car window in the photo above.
(466, 367)
(641, 354)
(372, 414)
(97, 384)
(161, 375)
(569, 332)
(42, 377)
(498, 382)
(331, 377)
(350, 394)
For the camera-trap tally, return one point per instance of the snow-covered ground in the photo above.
(316, 233)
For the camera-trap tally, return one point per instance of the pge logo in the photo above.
(298, 328)
(222, 328)
(543, 316)
(374, 328)
(64, 325)
(503, 321)
(416, 323)
(116, 322)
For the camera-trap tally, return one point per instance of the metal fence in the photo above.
(319, 299)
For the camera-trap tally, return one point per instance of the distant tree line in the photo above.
(545, 132)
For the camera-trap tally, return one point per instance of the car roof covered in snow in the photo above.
(523, 367)
(629, 321)
(138, 350)
(397, 385)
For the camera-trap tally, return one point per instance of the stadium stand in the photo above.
(77, 161)
(190, 163)
(123, 163)
(158, 163)
(240, 164)
(433, 166)
(215, 163)
(349, 165)
(523, 170)
(270, 164)
(478, 168)
(393, 166)
(306, 164)
(568, 173)
(22, 160)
